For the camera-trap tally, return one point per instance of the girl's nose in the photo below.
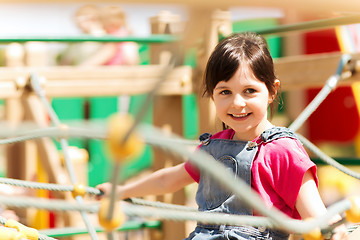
(239, 101)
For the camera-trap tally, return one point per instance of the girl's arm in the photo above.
(101, 56)
(309, 204)
(163, 181)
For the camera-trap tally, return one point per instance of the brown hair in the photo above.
(234, 50)
(87, 9)
(113, 15)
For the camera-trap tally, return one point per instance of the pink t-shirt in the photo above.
(122, 49)
(277, 171)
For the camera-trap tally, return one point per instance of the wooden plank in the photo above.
(294, 72)
(293, 45)
(308, 71)
(48, 154)
(96, 81)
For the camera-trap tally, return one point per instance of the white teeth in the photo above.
(240, 115)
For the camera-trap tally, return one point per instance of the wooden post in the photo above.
(167, 114)
(16, 153)
(294, 46)
(220, 23)
(164, 23)
(14, 55)
(47, 151)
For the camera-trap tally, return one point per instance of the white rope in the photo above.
(179, 215)
(157, 138)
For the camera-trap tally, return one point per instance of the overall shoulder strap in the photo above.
(205, 138)
(277, 132)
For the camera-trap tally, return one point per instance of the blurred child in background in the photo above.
(113, 20)
(87, 19)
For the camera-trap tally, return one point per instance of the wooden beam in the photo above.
(97, 81)
(294, 72)
(218, 22)
(308, 71)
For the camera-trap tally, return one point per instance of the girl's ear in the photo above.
(276, 88)
(276, 85)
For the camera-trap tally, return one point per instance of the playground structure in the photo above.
(72, 81)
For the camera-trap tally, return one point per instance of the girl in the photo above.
(240, 79)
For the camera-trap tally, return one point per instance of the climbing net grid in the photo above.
(125, 140)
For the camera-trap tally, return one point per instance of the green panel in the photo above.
(190, 58)
(69, 109)
(144, 54)
(189, 102)
(190, 116)
(99, 162)
(274, 41)
(102, 107)
(154, 38)
(127, 226)
(346, 161)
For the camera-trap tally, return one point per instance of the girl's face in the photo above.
(242, 102)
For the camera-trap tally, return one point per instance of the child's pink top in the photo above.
(119, 56)
(277, 171)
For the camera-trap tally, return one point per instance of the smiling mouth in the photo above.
(240, 115)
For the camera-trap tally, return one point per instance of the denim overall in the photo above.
(237, 156)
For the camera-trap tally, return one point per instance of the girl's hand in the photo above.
(10, 214)
(105, 188)
(340, 233)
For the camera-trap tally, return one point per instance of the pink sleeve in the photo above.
(288, 163)
(193, 171)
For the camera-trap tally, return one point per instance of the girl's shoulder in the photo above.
(225, 134)
(284, 147)
(283, 142)
(276, 132)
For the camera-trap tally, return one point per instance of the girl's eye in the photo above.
(225, 92)
(250, 90)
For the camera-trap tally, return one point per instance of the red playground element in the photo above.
(337, 118)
